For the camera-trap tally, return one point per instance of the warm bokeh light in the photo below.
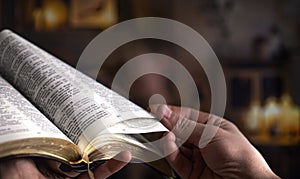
(277, 119)
(55, 13)
(52, 15)
(254, 117)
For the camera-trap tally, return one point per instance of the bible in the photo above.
(50, 109)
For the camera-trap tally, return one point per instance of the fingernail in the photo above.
(167, 112)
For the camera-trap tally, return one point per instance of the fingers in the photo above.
(110, 167)
(165, 111)
(51, 167)
(178, 161)
(190, 113)
(173, 120)
(188, 124)
(195, 133)
(185, 129)
(160, 111)
(19, 168)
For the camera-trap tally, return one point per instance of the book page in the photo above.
(24, 130)
(58, 97)
(19, 119)
(78, 105)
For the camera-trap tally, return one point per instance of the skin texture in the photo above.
(28, 168)
(227, 155)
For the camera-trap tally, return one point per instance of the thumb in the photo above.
(175, 158)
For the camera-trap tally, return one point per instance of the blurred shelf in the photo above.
(274, 141)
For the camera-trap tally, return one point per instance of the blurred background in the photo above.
(256, 41)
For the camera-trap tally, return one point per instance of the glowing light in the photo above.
(272, 109)
(55, 13)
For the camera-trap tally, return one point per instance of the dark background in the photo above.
(241, 34)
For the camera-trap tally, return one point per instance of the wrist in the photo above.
(259, 167)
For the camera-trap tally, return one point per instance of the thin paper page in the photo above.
(19, 119)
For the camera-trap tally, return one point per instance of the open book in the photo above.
(49, 109)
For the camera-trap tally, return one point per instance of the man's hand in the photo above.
(227, 154)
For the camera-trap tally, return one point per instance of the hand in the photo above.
(227, 154)
(27, 168)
